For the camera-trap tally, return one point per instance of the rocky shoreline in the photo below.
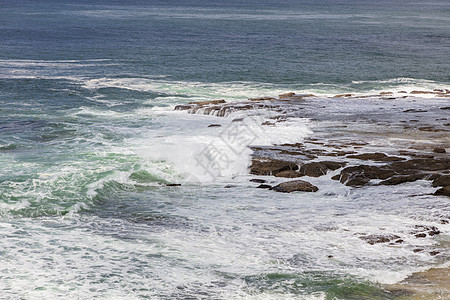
(351, 156)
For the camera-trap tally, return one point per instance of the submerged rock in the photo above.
(295, 186)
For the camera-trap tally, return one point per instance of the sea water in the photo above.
(89, 139)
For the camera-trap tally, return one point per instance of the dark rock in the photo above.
(238, 120)
(425, 164)
(433, 253)
(229, 186)
(375, 157)
(271, 166)
(183, 107)
(443, 180)
(262, 99)
(432, 230)
(336, 177)
(289, 174)
(439, 150)
(402, 179)
(444, 221)
(264, 186)
(317, 169)
(445, 191)
(208, 102)
(421, 235)
(361, 175)
(258, 180)
(173, 184)
(343, 95)
(446, 108)
(417, 250)
(294, 186)
(414, 110)
(214, 125)
(378, 238)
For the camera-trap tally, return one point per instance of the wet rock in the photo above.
(361, 175)
(173, 184)
(417, 250)
(445, 191)
(375, 157)
(422, 92)
(286, 95)
(238, 120)
(289, 174)
(262, 99)
(379, 238)
(317, 169)
(258, 180)
(264, 186)
(439, 150)
(214, 125)
(271, 166)
(402, 179)
(412, 110)
(431, 230)
(433, 253)
(446, 108)
(443, 180)
(201, 103)
(425, 164)
(420, 235)
(295, 186)
(229, 186)
(343, 95)
(183, 107)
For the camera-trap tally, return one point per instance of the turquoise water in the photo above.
(88, 140)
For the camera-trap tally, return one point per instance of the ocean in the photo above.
(106, 190)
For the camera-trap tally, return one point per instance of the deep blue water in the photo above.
(262, 41)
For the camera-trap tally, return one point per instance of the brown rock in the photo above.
(361, 175)
(214, 125)
(425, 164)
(262, 99)
(342, 95)
(271, 166)
(286, 95)
(443, 180)
(183, 107)
(289, 174)
(422, 92)
(258, 180)
(439, 150)
(264, 186)
(295, 186)
(444, 191)
(376, 157)
(317, 169)
(208, 102)
(378, 238)
(402, 179)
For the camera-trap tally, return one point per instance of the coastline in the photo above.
(409, 142)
